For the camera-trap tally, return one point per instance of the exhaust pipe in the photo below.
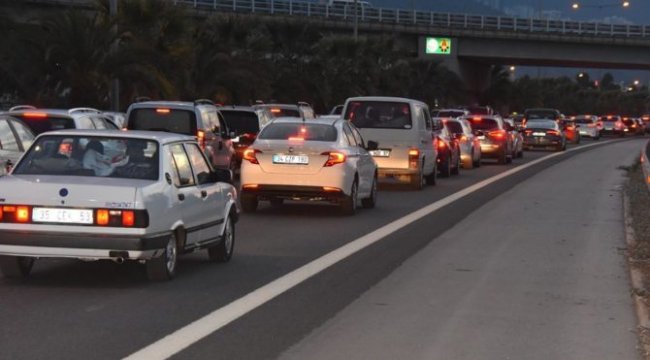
(119, 260)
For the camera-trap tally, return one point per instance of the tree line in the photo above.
(160, 51)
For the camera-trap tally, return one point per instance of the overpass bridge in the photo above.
(478, 41)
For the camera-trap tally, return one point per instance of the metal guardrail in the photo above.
(420, 18)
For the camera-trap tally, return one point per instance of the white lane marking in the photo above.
(199, 329)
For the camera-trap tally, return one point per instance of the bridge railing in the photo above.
(367, 14)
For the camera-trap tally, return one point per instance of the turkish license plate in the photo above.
(65, 216)
(380, 153)
(290, 159)
(539, 134)
(609, 128)
(583, 132)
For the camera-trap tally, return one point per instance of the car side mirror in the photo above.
(223, 175)
(372, 145)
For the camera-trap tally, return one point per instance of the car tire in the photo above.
(432, 178)
(503, 158)
(477, 163)
(163, 267)
(249, 203)
(371, 201)
(445, 167)
(14, 267)
(276, 202)
(224, 250)
(349, 203)
(456, 169)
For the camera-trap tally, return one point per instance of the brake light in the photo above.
(296, 138)
(441, 145)
(35, 115)
(200, 137)
(276, 111)
(250, 155)
(553, 132)
(163, 111)
(22, 214)
(463, 138)
(103, 217)
(498, 134)
(128, 218)
(334, 158)
(331, 189)
(476, 118)
(414, 158)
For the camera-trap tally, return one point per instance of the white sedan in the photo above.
(315, 160)
(136, 195)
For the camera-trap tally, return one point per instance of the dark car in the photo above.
(633, 127)
(15, 138)
(542, 113)
(496, 142)
(245, 122)
(448, 151)
(544, 134)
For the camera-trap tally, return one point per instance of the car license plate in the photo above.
(290, 159)
(609, 128)
(539, 134)
(380, 153)
(66, 216)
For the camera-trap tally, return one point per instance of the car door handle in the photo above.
(181, 197)
(204, 193)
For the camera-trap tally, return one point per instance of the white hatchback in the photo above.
(320, 159)
(86, 194)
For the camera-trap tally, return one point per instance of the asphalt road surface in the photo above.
(502, 269)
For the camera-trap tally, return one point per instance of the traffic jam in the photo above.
(168, 178)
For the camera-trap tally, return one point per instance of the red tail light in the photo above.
(414, 157)
(553, 132)
(35, 115)
(250, 155)
(200, 137)
(334, 158)
(163, 111)
(441, 145)
(102, 217)
(498, 134)
(128, 218)
(296, 138)
(22, 214)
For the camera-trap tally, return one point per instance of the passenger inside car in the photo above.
(94, 159)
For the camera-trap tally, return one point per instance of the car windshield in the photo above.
(40, 123)
(379, 114)
(541, 114)
(163, 119)
(455, 127)
(484, 124)
(541, 124)
(70, 155)
(241, 122)
(299, 131)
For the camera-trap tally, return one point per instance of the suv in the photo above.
(42, 120)
(245, 122)
(15, 139)
(302, 109)
(405, 129)
(200, 119)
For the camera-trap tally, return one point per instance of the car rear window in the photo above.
(452, 114)
(379, 114)
(241, 122)
(455, 127)
(66, 155)
(299, 131)
(547, 124)
(40, 124)
(163, 119)
(484, 124)
(541, 114)
(584, 120)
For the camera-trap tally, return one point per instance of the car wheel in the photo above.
(456, 169)
(503, 158)
(276, 202)
(163, 267)
(371, 201)
(445, 166)
(249, 203)
(349, 203)
(223, 251)
(16, 266)
(432, 178)
(477, 162)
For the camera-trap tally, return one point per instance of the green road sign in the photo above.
(438, 46)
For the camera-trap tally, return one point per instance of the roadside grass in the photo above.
(638, 224)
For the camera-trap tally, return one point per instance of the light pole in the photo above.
(115, 83)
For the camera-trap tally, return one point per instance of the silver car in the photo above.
(470, 145)
(316, 160)
(588, 125)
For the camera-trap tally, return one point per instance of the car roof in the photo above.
(324, 121)
(160, 136)
(386, 99)
(237, 108)
(174, 104)
(49, 112)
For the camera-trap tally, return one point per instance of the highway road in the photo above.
(472, 272)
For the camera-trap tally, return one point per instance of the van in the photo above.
(404, 130)
(200, 119)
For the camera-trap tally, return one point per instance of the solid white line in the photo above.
(199, 329)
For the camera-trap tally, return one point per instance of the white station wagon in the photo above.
(135, 195)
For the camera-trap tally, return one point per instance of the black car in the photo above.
(544, 134)
(448, 151)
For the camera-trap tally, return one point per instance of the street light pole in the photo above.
(115, 83)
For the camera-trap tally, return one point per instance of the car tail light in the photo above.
(497, 134)
(334, 158)
(128, 218)
(528, 132)
(163, 111)
(102, 217)
(250, 186)
(15, 214)
(276, 111)
(122, 218)
(35, 115)
(296, 138)
(331, 189)
(463, 138)
(441, 145)
(250, 155)
(553, 132)
(200, 137)
(22, 214)
(414, 158)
